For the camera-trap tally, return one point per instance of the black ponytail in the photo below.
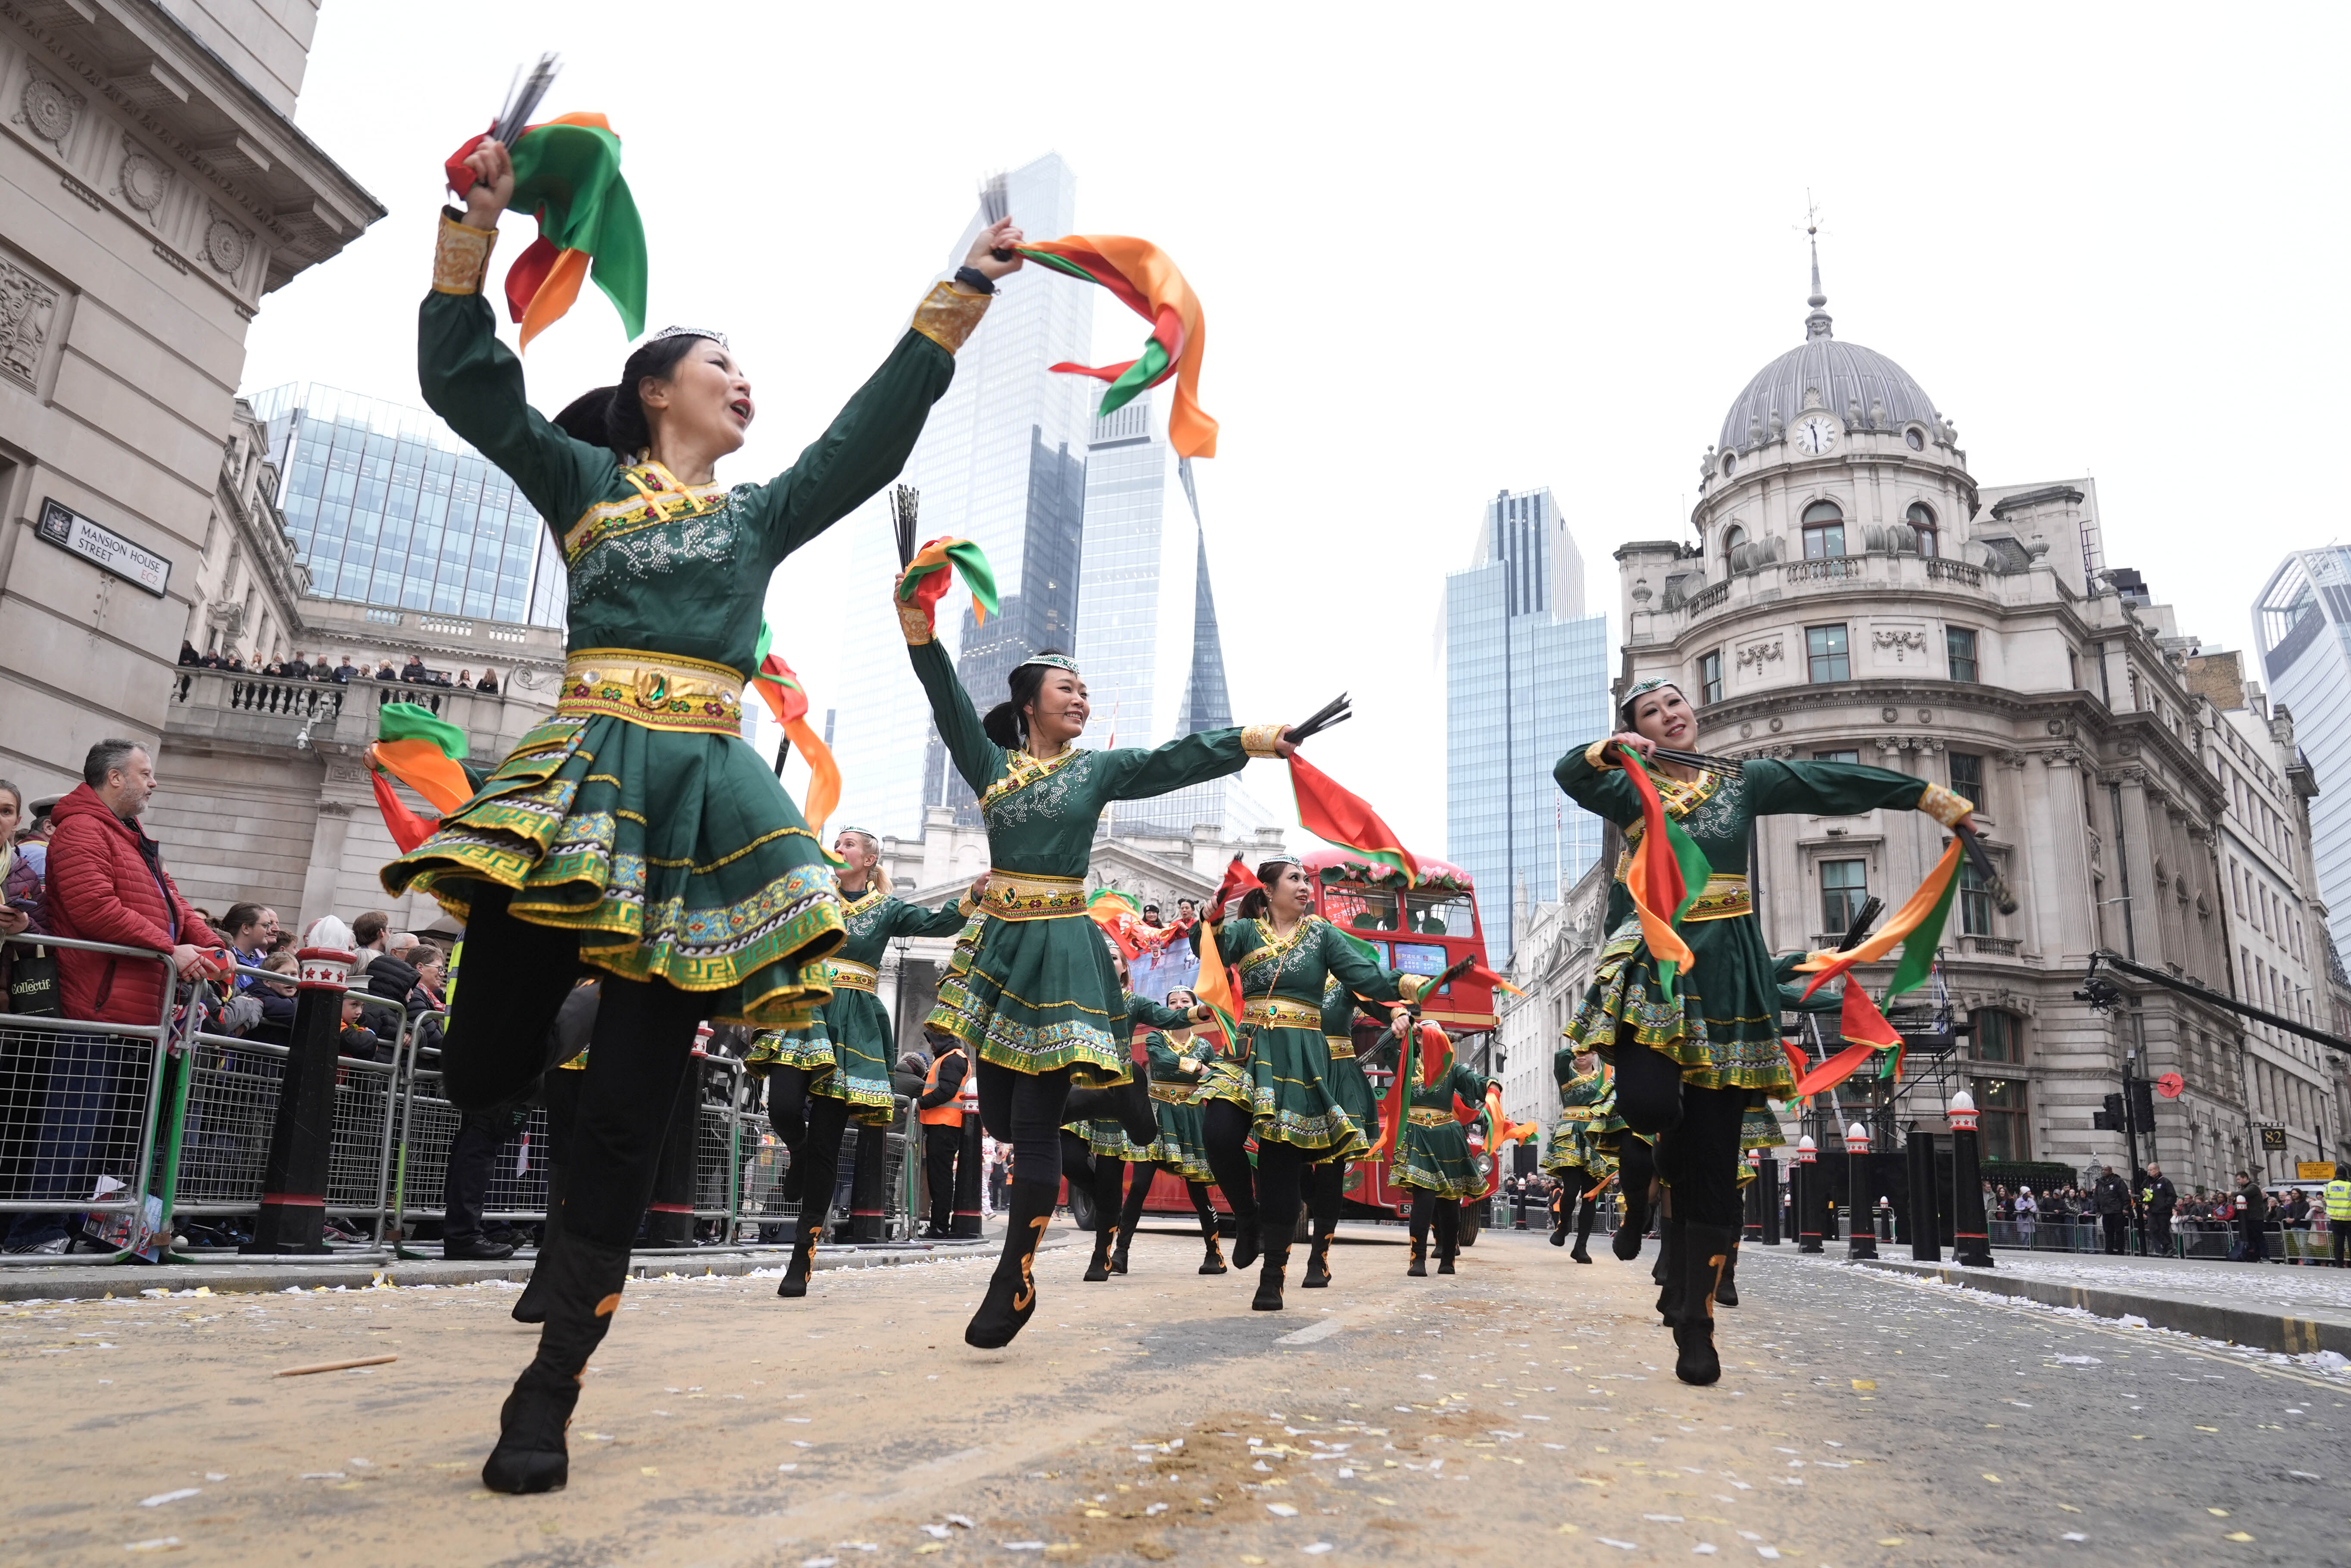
(614, 417)
(1254, 903)
(1006, 723)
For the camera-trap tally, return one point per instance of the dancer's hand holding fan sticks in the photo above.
(1994, 883)
(1863, 919)
(1729, 767)
(523, 99)
(1337, 711)
(924, 579)
(996, 206)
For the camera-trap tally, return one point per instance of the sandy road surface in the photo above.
(1522, 1411)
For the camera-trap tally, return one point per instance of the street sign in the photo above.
(2274, 1140)
(103, 547)
(2314, 1171)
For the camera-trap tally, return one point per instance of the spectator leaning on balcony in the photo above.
(189, 657)
(488, 682)
(413, 672)
(106, 883)
(346, 672)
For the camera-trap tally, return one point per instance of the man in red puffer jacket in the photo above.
(106, 884)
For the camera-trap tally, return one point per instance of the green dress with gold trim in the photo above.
(1723, 1025)
(1183, 1143)
(1587, 1114)
(847, 1049)
(636, 814)
(1432, 1150)
(1284, 1059)
(1106, 1136)
(1349, 1086)
(1038, 990)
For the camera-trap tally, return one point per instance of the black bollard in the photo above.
(1770, 1186)
(869, 1186)
(1752, 1221)
(1925, 1232)
(1862, 1242)
(669, 1221)
(293, 1216)
(1971, 1243)
(1808, 1184)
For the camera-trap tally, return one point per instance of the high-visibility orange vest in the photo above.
(947, 1113)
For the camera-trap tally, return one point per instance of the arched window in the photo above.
(1823, 531)
(1921, 516)
(1732, 537)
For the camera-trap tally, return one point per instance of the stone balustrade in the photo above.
(268, 710)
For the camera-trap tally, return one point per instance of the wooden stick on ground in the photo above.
(337, 1366)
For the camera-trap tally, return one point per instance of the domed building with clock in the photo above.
(1853, 593)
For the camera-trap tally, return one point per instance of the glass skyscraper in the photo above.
(1526, 676)
(2302, 625)
(1002, 461)
(1147, 635)
(388, 507)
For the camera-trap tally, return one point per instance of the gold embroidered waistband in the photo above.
(1430, 1116)
(1017, 896)
(848, 976)
(1342, 1047)
(1724, 896)
(1281, 1015)
(659, 691)
(1174, 1094)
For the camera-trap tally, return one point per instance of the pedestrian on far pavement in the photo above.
(2160, 1198)
(2111, 1197)
(2252, 1219)
(2028, 1216)
(2338, 1215)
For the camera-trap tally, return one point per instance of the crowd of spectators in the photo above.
(340, 673)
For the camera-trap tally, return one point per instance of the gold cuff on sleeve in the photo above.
(1410, 986)
(916, 622)
(1260, 740)
(461, 255)
(1943, 806)
(1596, 754)
(946, 315)
(966, 906)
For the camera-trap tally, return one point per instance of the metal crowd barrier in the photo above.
(2189, 1238)
(180, 1120)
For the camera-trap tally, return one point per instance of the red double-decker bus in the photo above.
(1422, 925)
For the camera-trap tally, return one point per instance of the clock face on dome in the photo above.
(1815, 434)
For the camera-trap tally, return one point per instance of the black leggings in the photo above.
(1326, 1187)
(1696, 1132)
(1139, 1179)
(1026, 1110)
(1445, 1213)
(1225, 1128)
(497, 1047)
(1280, 1192)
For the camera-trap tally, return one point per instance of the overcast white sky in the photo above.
(1510, 248)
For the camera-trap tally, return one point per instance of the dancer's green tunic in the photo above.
(1432, 1147)
(1037, 991)
(1106, 1136)
(1723, 1025)
(847, 1049)
(1284, 1059)
(636, 814)
(1183, 1144)
(1587, 1113)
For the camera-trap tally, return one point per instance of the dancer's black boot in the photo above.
(1423, 1208)
(1318, 1262)
(1561, 1210)
(1011, 1297)
(1727, 1293)
(1269, 1278)
(1214, 1263)
(1706, 1248)
(582, 1291)
(1671, 1260)
(1245, 1240)
(1098, 1266)
(1585, 1209)
(807, 1232)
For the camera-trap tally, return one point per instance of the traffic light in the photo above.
(2142, 1099)
(2111, 1118)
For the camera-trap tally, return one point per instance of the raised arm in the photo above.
(1364, 975)
(1843, 789)
(1142, 1009)
(914, 921)
(976, 758)
(1133, 774)
(1595, 779)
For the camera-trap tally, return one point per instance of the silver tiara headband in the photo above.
(1052, 662)
(669, 332)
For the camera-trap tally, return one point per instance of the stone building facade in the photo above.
(1856, 593)
(153, 188)
(1557, 951)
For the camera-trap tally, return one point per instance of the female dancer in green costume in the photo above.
(1587, 1114)
(636, 831)
(1432, 1158)
(1178, 1060)
(839, 1066)
(1109, 1127)
(1036, 1000)
(1287, 957)
(1688, 1070)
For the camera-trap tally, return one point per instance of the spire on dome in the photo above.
(1816, 325)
